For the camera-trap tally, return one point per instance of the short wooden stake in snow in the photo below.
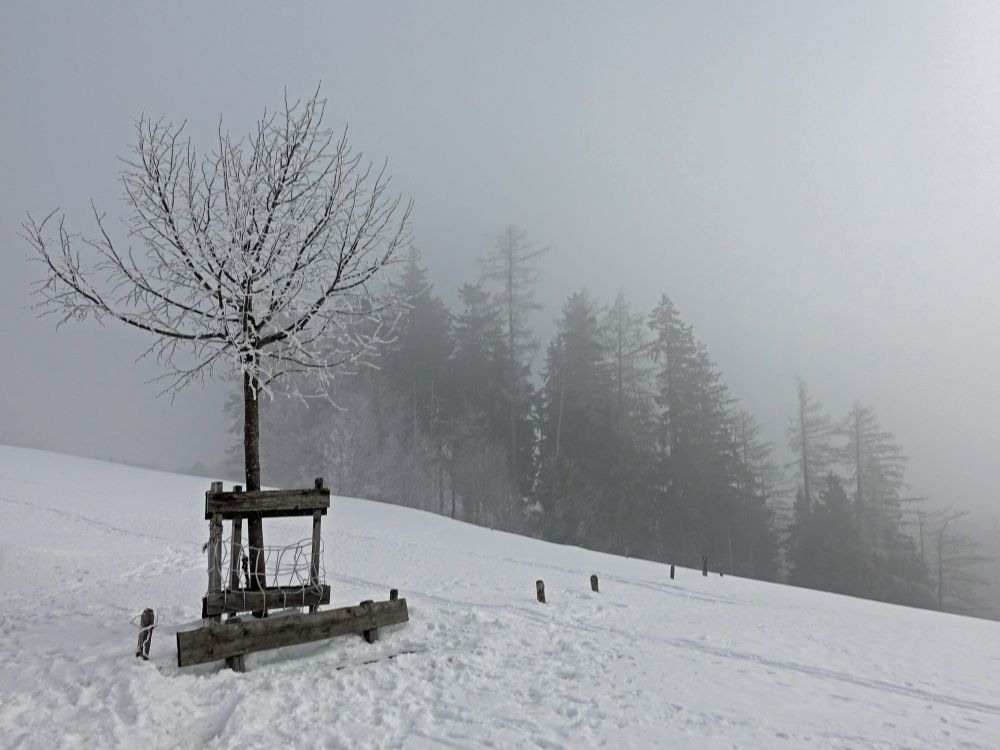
(145, 633)
(671, 572)
(393, 595)
(704, 565)
(237, 662)
(540, 591)
(371, 635)
(593, 583)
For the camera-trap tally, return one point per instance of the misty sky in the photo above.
(817, 187)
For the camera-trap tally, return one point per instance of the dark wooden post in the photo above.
(704, 565)
(235, 548)
(593, 583)
(370, 636)
(236, 663)
(215, 552)
(314, 565)
(540, 591)
(316, 536)
(393, 595)
(671, 572)
(145, 633)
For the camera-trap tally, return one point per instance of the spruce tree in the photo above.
(632, 457)
(576, 407)
(810, 435)
(480, 423)
(417, 369)
(876, 466)
(511, 271)
(699, 463)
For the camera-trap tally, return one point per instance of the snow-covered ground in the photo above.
(649, 662)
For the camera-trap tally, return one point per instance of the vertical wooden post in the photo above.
(671, 572)
(704, 565)
(393, 595)
(145, 633)
(593, 583)
(314, 565)
(235, 549)
(540, 591)
(316, 542)
(370, 635)
(215, 558)
(236, 663)
(214, 551)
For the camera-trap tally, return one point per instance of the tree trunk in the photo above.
(512, 384)
(805, 449)
(857, 451)
(940, 575)
(562, 395)
(251, 462)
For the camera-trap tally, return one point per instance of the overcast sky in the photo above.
(815, 185)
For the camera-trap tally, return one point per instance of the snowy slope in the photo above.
(694, 663)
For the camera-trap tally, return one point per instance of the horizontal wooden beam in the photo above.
(238, 637)
(267, 503)
(273, 597)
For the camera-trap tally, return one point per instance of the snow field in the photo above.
(648, 662)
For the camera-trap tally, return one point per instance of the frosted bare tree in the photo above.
(257, 259)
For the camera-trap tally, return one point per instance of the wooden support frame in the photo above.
(237, 638)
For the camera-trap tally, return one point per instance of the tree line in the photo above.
(264, 258)
(624, 438)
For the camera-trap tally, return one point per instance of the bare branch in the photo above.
(256, 257)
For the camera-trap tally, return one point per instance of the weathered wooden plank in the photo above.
(235, 638)
(273, 597)
(267, 503)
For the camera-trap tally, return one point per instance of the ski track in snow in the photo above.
(691, 663)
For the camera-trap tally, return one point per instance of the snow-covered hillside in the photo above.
(649, 662)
